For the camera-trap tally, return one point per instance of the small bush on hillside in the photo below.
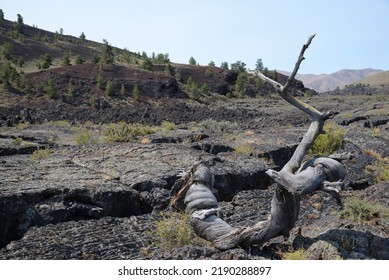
(125, 132)
(174, 230)
(84, 137)
(329, 142)
(192, 88)
(79, 60)
(244, 149)
(122, 89)
(166, 125)
(147, 64)
(100, 81)
(380, 168)
(50, 89)
(135, 92)
(358, 210)
(6, 50)
(40, 154)
(204, 89)
(299, 254)
(65, 60)
(45, 62)
(110, 89)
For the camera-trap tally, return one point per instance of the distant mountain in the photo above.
(327, 82)
(379, 79)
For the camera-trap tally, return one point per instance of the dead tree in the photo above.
(193, 192)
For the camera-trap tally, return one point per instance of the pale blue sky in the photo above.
(349, 34)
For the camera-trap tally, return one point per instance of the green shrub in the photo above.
(166, 125)
(6, 50)
(50, 89)
(40, 153)
(110, 89)
(18, 141)
(122, 89)
(329, 142)
(192, 88)
(65, 60)
(298, 254)
(174, 230)
(135, 92)
(79, 60)
(380, 168)
(358, 210)
(45, 62)
(83, 137)
(100, 81)
(124, 132)
(204, 89)
(244, 149)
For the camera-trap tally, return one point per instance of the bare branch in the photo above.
(282, 89)
(299, 60)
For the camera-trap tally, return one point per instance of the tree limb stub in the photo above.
(193, 192)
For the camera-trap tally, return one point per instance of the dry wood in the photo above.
(295, 179)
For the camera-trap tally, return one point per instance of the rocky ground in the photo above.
(66, 192)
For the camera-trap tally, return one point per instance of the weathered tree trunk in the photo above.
(193, 193)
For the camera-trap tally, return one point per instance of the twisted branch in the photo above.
(193, 193)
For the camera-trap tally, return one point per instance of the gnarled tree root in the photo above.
(201, 204)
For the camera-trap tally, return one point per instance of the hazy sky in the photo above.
(350, 34)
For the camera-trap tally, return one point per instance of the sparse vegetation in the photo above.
(65, 61)
(126, 132)
(122, 89)
(298, 254)
(6, 50)
(110, 89)
(169, 70)
(361, 211)
(100, 81)
(166, 125)
(174, 230)
(244, 149)
(380, 168)
(108, 56)
(135, 92)
(50, 89)
(241, 83)
(192, 88)
(45, 62)
(213, 126)
(79, 60)
(328, 142)
(204, 89)
(9, 76)
(40, 153)
(17, 141)
(147, 64)
(84, 137)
